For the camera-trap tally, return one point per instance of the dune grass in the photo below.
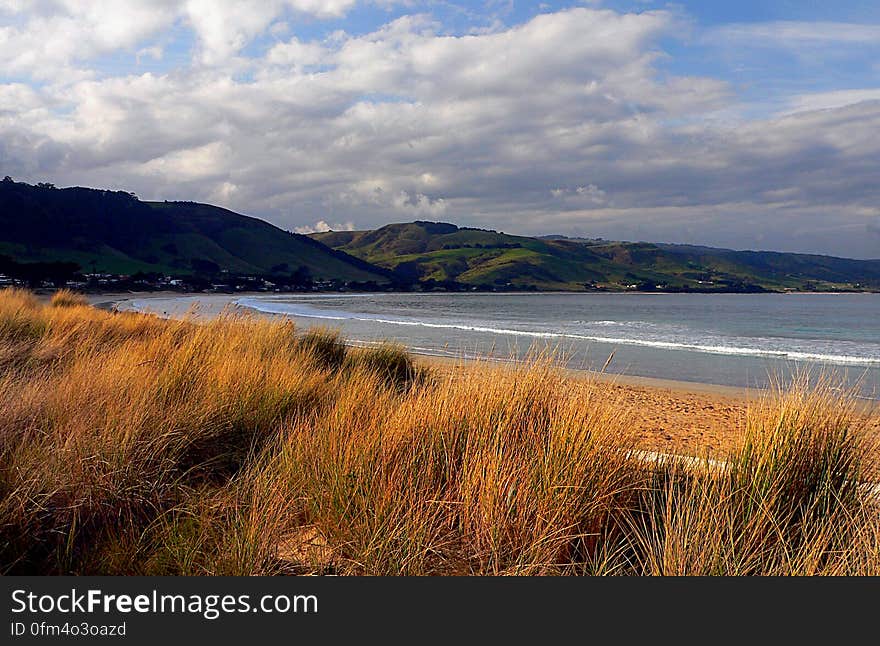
(135, 445)
(67, 298)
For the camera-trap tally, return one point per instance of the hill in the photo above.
(446, 253)
(102, 231)
(114, 232)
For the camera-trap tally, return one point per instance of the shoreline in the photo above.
(208, 310)
(669, 415)
(835, 292)
(636, 381)
(211, 305)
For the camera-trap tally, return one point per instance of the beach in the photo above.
(192, 443)
(678, 417)
(669, 416)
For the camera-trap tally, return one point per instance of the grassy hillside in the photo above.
(488, 259)
(114, 232)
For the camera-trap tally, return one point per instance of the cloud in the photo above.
(795, 33)
(296, 53)
(418, 205)
(568, 122)
(322, 227)
(830, 100)
(55, 36)
(585, 195)
(224, 27)
(155, 52)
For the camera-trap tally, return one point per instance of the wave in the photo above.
(291, 309)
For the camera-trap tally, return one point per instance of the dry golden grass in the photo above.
(67, 298)
(135, 445)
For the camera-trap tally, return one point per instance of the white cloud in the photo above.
(224, 27)
(155, 52)
(830, 100)
(14, 6)
(57, 35)
(584, 195)
(197, 163)
(323, 8)
(592, 193)
(797, 33)
(297, 54)
(418, 205)
(322, 226)
(17, 98)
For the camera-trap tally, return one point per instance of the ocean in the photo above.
(743, 340)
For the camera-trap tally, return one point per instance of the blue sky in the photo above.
(742, 124)
(759, 69)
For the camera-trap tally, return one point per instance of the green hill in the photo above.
(487, 259)
(114, 232)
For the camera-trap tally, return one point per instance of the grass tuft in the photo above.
(325, 346)
(68, 298)
(390, 361)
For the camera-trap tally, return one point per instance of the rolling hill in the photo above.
(114, 232)
(446, 253)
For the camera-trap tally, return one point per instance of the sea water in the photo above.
(730, 339)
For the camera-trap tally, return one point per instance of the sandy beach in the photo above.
(679, 417)
(670, 416)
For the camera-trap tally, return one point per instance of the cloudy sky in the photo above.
(741, 124)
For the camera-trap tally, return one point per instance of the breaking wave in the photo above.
(723, 348)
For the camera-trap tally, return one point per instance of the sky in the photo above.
(748, 125)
